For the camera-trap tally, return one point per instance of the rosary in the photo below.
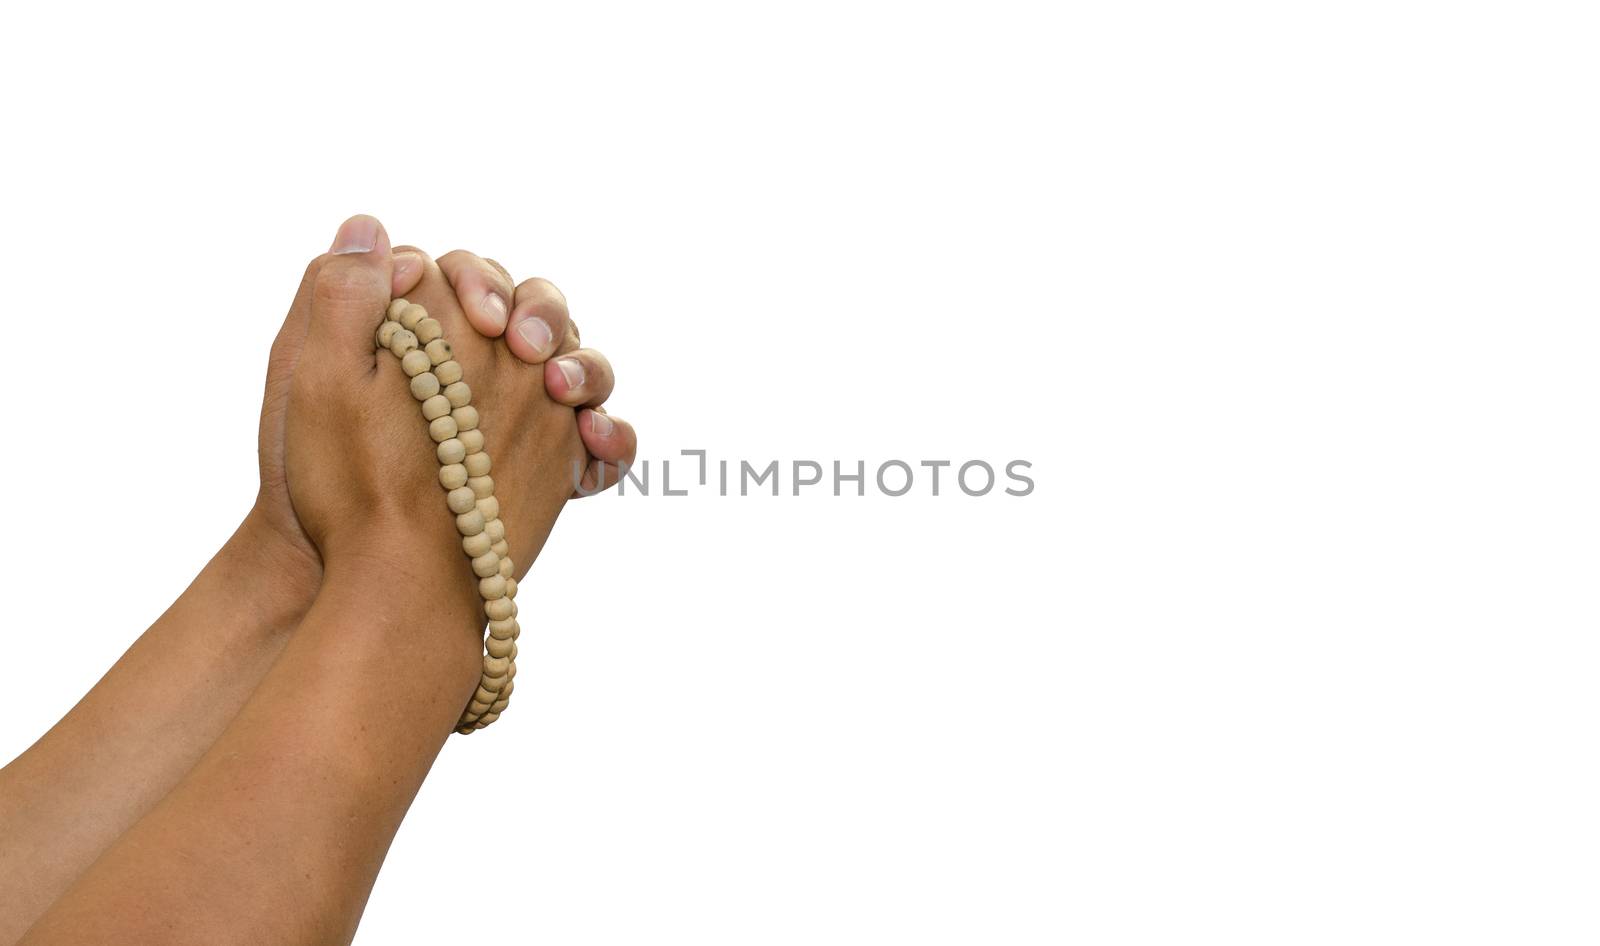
(418, 341)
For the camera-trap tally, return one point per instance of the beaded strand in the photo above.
(418, 341)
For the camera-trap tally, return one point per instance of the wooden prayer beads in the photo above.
(436, 383)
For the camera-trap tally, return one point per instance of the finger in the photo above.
(539, 321)
(581, 379)
(503, 271)
(569, 343)
(434, 293)
(609, 439)
(351, 290)
(409, 265)
(484, 291)
(612, 445)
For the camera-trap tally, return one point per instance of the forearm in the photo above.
(297, 802)
(146, 723)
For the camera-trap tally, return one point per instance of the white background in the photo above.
(1292, 308)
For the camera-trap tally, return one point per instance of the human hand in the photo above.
(530, 316)
(533, 319)
(359, 466)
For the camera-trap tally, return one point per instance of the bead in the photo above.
(461, 500)
(415, 363)
(451, 451)
(486, 564)
(453, 422)
(470, 523)
(424, 385)
(442, 429)
(459, 394)
(435, 406)
(411, 315)
(401, 342)
(475, 545)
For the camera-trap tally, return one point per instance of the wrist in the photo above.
(399, 595)
(265, 574)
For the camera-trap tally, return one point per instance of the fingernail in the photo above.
(536, 332)
(572, 370)
(359, 234)
(496, 307)
(600, 425)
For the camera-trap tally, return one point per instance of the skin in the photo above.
(536, 326)
(122, 754)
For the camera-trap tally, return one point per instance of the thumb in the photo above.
(352, 289)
